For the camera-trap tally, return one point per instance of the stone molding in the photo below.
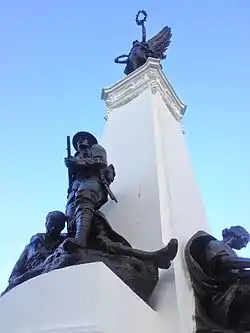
(148, 76)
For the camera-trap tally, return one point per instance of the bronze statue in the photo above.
(90, 238)
(47, 252)
(138, 269)
(141, 51)
(40, 247)
(90, 177)
(220, 280)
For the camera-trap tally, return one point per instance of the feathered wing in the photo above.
(160, 42)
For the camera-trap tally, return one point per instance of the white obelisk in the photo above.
(158, 197)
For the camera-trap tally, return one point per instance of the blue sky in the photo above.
(55, 58)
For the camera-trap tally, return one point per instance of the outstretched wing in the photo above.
(160, 42)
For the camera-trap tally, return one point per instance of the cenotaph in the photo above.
(91, 279)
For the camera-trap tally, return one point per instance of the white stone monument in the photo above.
(155, 184)
(158, 199)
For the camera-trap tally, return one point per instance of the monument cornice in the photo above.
(149, 76)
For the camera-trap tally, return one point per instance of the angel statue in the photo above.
(141, 51)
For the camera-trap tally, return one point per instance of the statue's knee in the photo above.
(69, 212)
(84, 196)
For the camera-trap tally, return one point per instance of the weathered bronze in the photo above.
(89, 187)
(138, 269)
(220, 280)
(141, 51)
(40, 247)
(90, 238)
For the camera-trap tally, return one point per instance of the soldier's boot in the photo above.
(83, 222)
(83, 219)
(161, 258)
(164, 256)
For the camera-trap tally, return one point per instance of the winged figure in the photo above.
(141, 51)
(159, 43)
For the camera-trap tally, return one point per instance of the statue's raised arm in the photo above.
(141, 22)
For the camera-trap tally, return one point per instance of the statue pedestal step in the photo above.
(85, 298)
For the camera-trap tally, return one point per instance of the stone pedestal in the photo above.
(155, 184)
(80, 299)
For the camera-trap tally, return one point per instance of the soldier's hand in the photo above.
(87, 160)
(110, 173)
(69, 162)
(111, 169)
(81, 161)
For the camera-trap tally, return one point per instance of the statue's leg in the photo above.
(7, 289)
(70, 214)
(19, 280)
(84, 213)
(162, 258)
(88, 198)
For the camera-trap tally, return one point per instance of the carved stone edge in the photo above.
(150, 76)
(69, 329)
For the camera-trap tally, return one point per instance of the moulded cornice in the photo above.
(149, 76)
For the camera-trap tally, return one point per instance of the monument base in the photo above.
(84, 298)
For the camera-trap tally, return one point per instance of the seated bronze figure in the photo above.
(40, 247)
(220, 280)
(47, 252)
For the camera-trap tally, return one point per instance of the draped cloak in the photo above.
(214, 295)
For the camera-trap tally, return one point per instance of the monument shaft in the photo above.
(157, 191)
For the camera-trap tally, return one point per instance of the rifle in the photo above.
(106, 185)
(69, 156)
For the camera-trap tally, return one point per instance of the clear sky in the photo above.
(55, 58)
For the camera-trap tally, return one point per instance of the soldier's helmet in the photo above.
(90, 137)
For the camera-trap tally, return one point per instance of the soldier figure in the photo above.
(89, 186)
(41, 246)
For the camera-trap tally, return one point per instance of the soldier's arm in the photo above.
(75, 165)
(99, 157)
(222, 259)
(70, 162)
(230, 262)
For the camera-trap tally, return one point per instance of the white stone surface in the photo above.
(81, 299)
(155, 184)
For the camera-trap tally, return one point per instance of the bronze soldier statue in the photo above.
(220, 279)
(90, 237)
(36, 252)
(90, 177)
